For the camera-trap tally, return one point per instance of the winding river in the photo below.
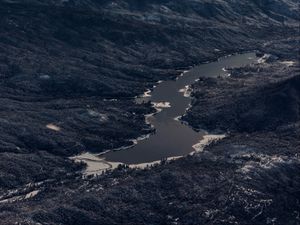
(172, 138)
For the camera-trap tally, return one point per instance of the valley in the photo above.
(70, 72)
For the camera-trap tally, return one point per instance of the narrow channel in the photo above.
(172, 138)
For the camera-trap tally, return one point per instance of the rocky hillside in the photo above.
(69, 71)
(68, 53)
(254, 98)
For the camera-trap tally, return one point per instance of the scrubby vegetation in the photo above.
(69, 72)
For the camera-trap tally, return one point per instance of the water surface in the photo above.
(172, 137)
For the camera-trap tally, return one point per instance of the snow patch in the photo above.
(54, 127)
(288, 63)
(31, 194)
(161, 105)
(264, 58)
(186, 91)
(44, 77)
(206, 140)
(102, 117)
(95, 164)
(20, 197)
(145, 165)
(178, 118)
(147, 94)
(182, 74)
(261, 161)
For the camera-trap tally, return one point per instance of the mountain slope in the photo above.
(69, 72)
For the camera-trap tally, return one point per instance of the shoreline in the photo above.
(97, 164)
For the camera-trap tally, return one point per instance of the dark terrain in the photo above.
(69, 72)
